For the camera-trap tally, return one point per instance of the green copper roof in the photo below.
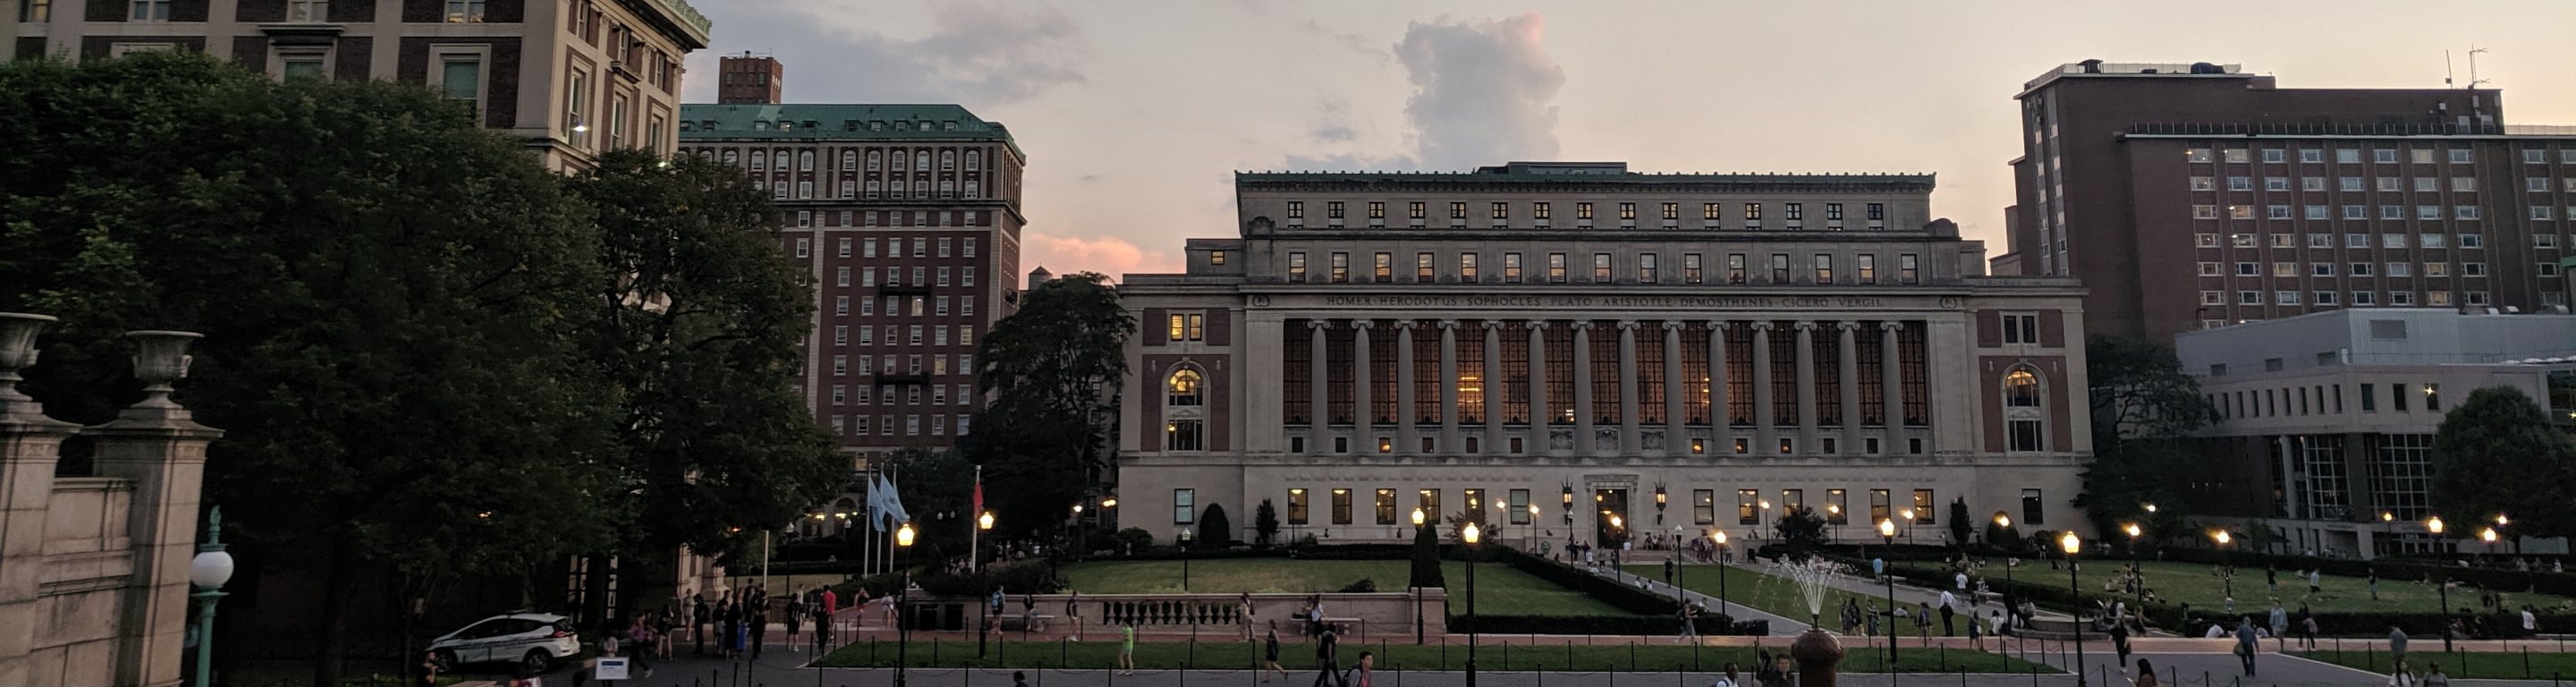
(893, 123)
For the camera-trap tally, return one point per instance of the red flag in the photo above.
(979, 495)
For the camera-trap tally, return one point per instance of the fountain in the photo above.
(1818, 654)
(1811, 577)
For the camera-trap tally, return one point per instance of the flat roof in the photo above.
(895, 122)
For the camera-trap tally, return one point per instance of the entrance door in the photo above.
(1610, 518)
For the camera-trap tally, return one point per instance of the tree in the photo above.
(2144, 410)
(2499, 454)
(391, 294)
(1265, 523)
(1801, 528)
(1426, 557)
(1216, 530)
(698, 327)
(937, 487)
(1960, 524)
(2002, 536)
(1053, 370)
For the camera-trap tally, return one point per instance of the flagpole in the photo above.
(975, 535)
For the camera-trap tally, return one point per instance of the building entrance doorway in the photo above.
(1610, 519)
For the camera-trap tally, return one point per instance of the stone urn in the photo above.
(1819, 657)
(18, 333)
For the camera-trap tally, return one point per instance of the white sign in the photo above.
(609, 668)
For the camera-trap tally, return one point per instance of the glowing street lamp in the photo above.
(1471, 535)
(903, 623)
(1417, 589)
(1719, 537)
(1887, 533)
(2072, 544)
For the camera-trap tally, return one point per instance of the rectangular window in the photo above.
(1753, 211)
(1467, 267)
(1384, 271)
(1601, 268)
(1502, 211)
(1385, 507)
(1457, 211)
(1877, 211)
(1422, 269)
(1905, 273)
(1834, 212)
(1511, 268)
(1627, 211)
(2033, 508)
(1556, 268)
(1690, 268)
(1341, 268)
(1377, 209)
(1735, 268)
(1414, 210)
(1333, 209)
(1824, 265)
(1341, 506)
(1748, 506)
(1517, 504)
(1672, 211)
(1538, 211)
(1583, 211)
(1646, 268)
(1296, 506)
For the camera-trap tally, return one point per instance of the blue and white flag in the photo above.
(885, 508)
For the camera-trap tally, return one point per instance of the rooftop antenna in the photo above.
(2473, 66)
(2446, 68)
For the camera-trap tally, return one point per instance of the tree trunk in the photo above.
(338, 576)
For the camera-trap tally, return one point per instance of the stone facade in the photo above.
(1693, 347)
(94, 570)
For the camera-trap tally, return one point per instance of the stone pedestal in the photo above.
(161, 449)
(30, 443)
(1819, 657)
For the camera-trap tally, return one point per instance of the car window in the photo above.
(483, 629)
(523, 626)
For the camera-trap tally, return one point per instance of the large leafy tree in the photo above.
(2144, 410)
(697, 329)
(2499, 454)
(1052, 371)
(392, 298)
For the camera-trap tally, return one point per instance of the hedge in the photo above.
(1710, 624)
(2171, 616)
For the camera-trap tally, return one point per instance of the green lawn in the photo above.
(2194, 583)
(1643, 655)
(1775, 595)
(1500, 590)
(2488, 665)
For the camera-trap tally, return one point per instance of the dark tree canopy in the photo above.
(1961, 525)
(1802, 528)
(2144, 409)
(1265, 523)
(1052, 370)
(1216, 531)
(2498, 453)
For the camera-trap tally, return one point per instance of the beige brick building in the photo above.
(1671, 351)
(572, 77)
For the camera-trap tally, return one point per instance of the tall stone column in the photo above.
(30, 444)
(1363, 421)
(1892, 384)
(1319, 414)
(156, 444)
(1763, 438)
(1449, 387)
(1807, 387)
(1407, 428)
(1493, 380)
(1672, 400)
(1540, 419)
(1628, 401)
(1720, 423)
(1583, 418)
(1847, 330)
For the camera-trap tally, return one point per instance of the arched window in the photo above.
(2025, 424)
(2021, 389)
(1186, 387)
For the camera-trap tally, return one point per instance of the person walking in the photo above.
(758, 629)
(795, 615)
(2316, 581)
(2433, 677)
(1127, 647)
(1948, 601)
(2120, 644)
(2280, 625)
(1976, 636)
(2397, 647)
(1270, 656)
(2245, 645)
(1923, 621)
(1688, 631)
(2307, 628)
(1730, 679)
(1360, 672)
(1326, 666)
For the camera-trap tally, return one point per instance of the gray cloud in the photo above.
(1483, 91)
(975, 53)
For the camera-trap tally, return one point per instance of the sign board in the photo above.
(609, 668)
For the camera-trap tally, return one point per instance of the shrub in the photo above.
(1364, 586)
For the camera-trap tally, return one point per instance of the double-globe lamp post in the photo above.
(2071, 544)
(1471, 534)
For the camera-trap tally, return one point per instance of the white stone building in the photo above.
(1672, 351)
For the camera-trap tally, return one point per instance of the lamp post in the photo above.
(2134, 531)
(1887, 533)
(1720, 537)
(2434, 525)
(1417, 589)
(1470, 534)
(903, 615)
(1761, 517)
(1529, 535)
(2002, 523)
(983, 523)
(1185, 560)
(209, 571)
(1909, 526)
(2228, 579)
(1672, 568)
(2071, 544)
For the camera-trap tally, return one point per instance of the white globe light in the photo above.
(211, 569)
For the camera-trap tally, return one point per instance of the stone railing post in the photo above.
(30, 443)
(156, 444)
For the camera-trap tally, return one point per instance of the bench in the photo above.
(1034, 623)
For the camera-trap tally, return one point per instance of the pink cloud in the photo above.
(1108, 255)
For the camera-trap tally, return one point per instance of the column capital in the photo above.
(1721, 325)
(1363, 324)
(1804, 325)
(1448, 324)
(1580, 325)
(1535, 325)
(1890, 325)
(1492, 324)
(1762, 325)
(1319, 324)
(1672, 325)
(1406, 324)
(1628, 324)
(1847, 325)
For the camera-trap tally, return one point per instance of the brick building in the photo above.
(908, 217)
(2188, 196)
(572, 77)
(750, 80)
(1681, 353)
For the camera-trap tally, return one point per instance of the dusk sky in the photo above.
(1136, 114)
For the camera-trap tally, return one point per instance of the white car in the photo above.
(532, 642)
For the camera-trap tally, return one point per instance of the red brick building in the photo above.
(749, 80)
(2188, 196)
(908, 217)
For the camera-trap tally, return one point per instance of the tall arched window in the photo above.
(2025, 422)
(1186, 387)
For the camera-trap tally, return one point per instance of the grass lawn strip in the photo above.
(2478, 665)
(1646, 654)
(1778, 596)
(2194, 583)
(1500, 590)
